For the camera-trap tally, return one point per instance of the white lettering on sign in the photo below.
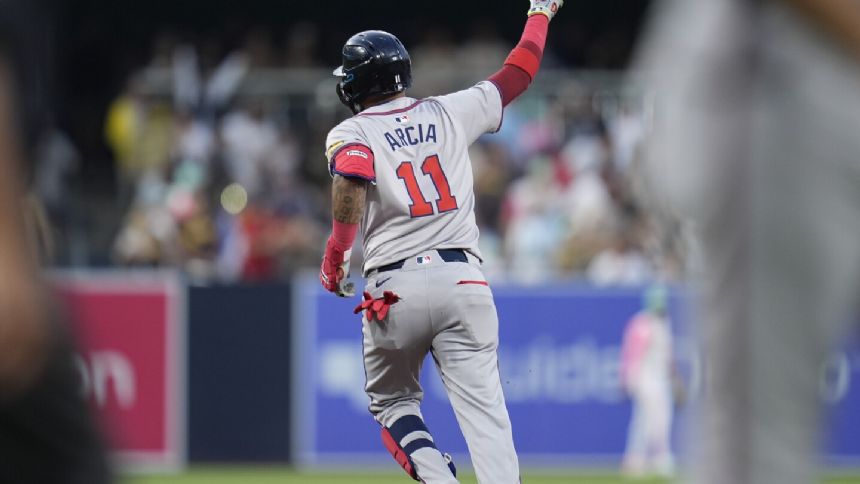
(564, 373)
(342, 373)
(835, 379)
(107, 374)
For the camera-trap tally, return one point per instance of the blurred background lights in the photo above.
(234, 198)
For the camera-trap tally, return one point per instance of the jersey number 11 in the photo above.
(420, 207)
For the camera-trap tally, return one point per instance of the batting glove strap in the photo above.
(545, 7)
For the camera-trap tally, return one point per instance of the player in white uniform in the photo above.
(401, 168)
(646, 372)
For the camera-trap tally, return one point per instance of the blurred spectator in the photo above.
(621, 264)
(194, 140)
(591, 216)
(491, 169)
(250, 140)
(259, 50)
(484, 52)
(57, 161)
(301, 46)
(626, 131)
(553, 188)
(149, 230)
(436, 49)
(535, 223)
(138, 131)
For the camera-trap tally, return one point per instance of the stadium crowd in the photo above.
(230, 183)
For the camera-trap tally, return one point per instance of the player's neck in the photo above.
(376, 101)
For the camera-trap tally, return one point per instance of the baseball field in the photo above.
(280, 475)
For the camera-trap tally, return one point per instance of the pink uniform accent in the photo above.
(523, 63)
(354, 160)
(636, 338)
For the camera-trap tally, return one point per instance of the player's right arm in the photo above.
(351, 164)
(479, 108)
(522, 64)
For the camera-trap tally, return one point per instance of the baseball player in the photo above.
(401, 168)
(646, 372)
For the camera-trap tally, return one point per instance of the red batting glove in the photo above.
(365, 306)
(331, 272)
(377, 308)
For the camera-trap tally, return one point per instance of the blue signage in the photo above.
(559, 359)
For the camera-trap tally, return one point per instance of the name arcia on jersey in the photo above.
(411, 136)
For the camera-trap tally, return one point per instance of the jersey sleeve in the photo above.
(349, 154)
(477, 109)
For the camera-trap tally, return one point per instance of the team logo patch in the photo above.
(402, 119)
(424, 259)
(357, 153)
(331, 149)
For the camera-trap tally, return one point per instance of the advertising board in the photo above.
(130, 331)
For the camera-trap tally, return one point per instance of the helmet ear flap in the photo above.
(347, 99)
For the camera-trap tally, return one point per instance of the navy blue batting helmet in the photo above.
(375, 63)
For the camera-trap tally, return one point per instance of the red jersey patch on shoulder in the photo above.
(353, 160)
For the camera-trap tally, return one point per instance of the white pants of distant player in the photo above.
(648, 438)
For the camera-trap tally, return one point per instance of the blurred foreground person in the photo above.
(46, 435)
(756, 143)
(646, 372)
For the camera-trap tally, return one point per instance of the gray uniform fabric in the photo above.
(756, 144)
(442, 310)
(443, 126)
(457, 324)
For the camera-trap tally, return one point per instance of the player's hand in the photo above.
(331, 272)
(545, 7)
(335, 269)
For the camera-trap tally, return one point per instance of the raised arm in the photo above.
(523, 63)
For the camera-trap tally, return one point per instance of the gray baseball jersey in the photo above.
(415, 152)
(422, 197)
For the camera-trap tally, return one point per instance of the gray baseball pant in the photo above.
(446, 311)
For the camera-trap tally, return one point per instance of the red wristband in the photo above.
(343, 235)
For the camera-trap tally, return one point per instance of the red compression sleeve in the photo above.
(522, 64)
(343, 235)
